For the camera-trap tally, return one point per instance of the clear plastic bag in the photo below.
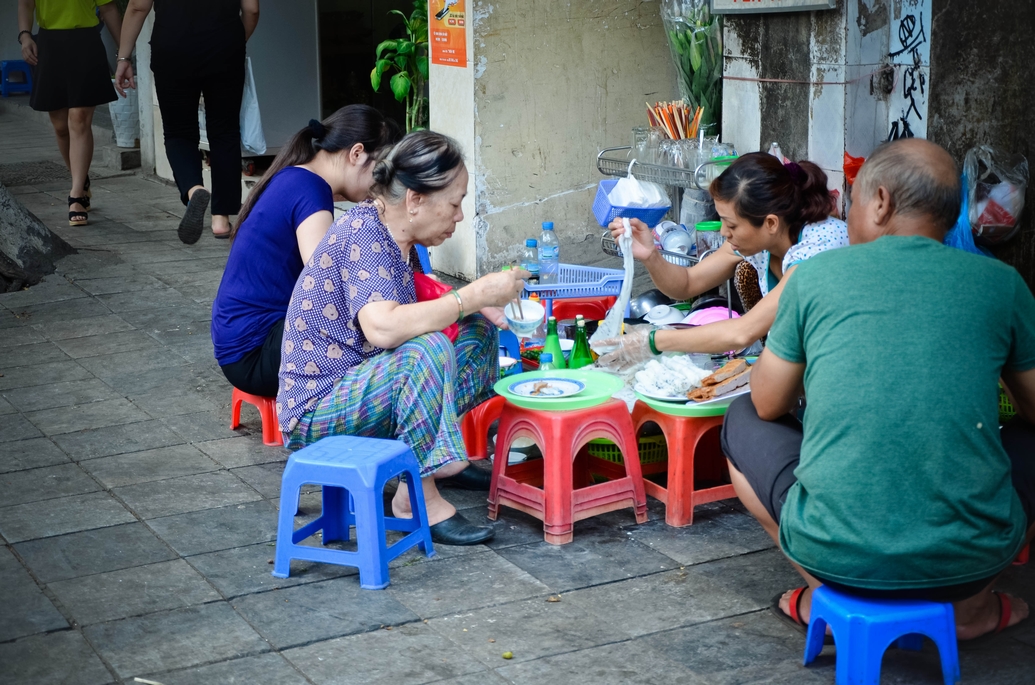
(995, 193)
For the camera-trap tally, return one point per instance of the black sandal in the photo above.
(78, 217)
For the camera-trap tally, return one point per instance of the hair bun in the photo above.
(317, 129)
(798, 175)
(384, 172)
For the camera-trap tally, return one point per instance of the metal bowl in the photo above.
(641, 304)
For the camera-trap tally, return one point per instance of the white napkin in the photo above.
(612, 326)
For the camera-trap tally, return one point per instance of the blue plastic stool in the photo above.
(9, 66)
(510, 343)
(865, 628)
(352, 472)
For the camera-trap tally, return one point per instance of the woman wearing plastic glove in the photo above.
(361, 356)
(774, 216)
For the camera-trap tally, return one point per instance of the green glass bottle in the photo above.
(552, 344)
(581, 355)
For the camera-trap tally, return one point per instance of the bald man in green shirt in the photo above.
(899, 482)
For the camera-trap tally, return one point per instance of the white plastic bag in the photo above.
(252, 138)
(629, 192)
(612, 326)
(995, 193)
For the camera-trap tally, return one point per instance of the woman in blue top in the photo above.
(284, 218)
(774, 216)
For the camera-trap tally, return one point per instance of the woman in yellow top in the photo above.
(70, 77)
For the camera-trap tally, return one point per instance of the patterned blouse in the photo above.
(356, 263)
(815, 238)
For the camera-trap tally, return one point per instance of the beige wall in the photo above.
(553, 82)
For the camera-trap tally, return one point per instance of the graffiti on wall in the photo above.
(910, 53)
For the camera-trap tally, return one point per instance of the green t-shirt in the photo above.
(67, 14)
(903, 481)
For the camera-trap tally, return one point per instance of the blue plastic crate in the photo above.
(605, 212)
(580, 281)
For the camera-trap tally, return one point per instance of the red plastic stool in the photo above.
(267, 407)
(693, 446)
(558, 489)
(1022, 558)
(475, 427)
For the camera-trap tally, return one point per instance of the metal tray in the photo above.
(610, 247)
(613, 161)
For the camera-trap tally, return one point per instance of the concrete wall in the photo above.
(553, 82)
(9, 47)
(981, 93)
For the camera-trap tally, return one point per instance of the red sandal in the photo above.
(793, 619)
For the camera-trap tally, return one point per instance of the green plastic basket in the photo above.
(652, 450)
(1006, 410)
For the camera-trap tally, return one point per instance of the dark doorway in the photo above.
(350, 31)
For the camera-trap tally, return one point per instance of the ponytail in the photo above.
(340, 131)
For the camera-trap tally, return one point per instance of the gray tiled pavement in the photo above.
(138, 530)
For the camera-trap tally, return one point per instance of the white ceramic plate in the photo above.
(725, 398)
(661, 398)
(553, 388)
(507, 362)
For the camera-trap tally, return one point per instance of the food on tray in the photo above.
(670, 376)
(733, 375)
(539, 387)
(729, 370)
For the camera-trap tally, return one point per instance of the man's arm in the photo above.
(776, 385)
(249, 17)
(1020, 386)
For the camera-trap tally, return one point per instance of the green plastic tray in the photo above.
(677, 409)
(600, 387)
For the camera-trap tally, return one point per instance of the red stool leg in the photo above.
(235, 408)
(683, 436)
(270, 424)
(558, 465)
(1022, 558)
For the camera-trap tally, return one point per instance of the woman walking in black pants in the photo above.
(197, 48)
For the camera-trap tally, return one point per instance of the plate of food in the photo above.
(732, 380)
(652, 393)
(547, 388)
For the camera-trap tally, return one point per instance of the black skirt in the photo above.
(72, 70)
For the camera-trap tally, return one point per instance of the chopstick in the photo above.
(675, 119)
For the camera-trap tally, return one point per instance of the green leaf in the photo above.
(406, 48)
(387, 45)
(422, 66)
(402, 61)
(400, 85)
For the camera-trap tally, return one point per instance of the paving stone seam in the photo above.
(287, 661)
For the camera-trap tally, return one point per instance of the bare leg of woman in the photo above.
(80, 149)
(59, 120)
(438, 508)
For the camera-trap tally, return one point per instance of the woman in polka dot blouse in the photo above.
(361, 356)
(774, 216)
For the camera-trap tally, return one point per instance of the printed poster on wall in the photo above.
(448, 28)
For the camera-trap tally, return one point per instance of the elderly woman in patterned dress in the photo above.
(362, 357)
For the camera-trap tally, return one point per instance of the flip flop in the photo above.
(794, 618)
(1005, 612)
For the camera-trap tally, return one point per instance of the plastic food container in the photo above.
(708, 236)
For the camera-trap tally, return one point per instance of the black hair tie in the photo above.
(798, 175)
(317, 129)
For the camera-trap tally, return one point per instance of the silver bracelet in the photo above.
(124, 59)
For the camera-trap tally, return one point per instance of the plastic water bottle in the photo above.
(546, 362)
(530, 261)
(549, 255)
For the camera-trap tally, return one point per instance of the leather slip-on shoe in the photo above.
(471, 478)
(456, 530)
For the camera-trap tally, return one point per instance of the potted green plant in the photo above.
(408, 58)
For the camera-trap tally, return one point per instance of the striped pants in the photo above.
(414, 393)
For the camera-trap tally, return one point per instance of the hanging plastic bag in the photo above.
(995, 193)
(629, 192)
(252, 138)
(961, 236)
